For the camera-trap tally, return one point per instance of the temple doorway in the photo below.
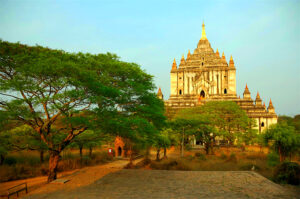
(119, 151)
(202, 94)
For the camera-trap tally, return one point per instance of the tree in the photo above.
(89, 140)
(217, 118)
(184, 128)
(284, 139)
(60, 95)
(24, 138)
(162, 141)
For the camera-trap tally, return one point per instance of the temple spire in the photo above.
(182, 61)
(188, 55)
(231, 62)
(271, 107)
(174, 66)
(159, 94)
(203, 36)
(217, 53)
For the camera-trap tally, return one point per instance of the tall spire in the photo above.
(188, 55)
(174, 66)
(203, 36)
(182, 61)
(246, 94)
(231, 62)
(258, 101)
(217, 53)
(271, 108)
(159, 94)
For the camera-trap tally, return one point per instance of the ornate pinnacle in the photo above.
(174, 66)
(188, 55)
(257, 96)
(203, 36)
(270, 105)
(159, 91)
(247, 90)
(231, 62)
(217, 53)
(223, 55)
(182, 61)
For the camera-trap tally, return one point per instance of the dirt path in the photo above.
(77, 178)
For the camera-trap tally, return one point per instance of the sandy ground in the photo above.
(77, 178)
(139, 184)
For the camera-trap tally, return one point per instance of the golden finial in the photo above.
(203, 36)
(223, 55)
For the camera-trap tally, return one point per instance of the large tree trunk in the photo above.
(42, 156)
(2, 157)
(212, 147)
(53, 164)
(80, 151)
(207, 148)
(165, 153)
(158, 154)
(281, 155)
(91, 151)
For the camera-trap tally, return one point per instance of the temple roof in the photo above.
(204, 55)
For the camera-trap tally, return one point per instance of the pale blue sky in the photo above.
(262, 36)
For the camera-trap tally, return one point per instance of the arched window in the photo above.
(180, 92)
(262, 124)
(202, 63)
(225, 91)
(202, 94)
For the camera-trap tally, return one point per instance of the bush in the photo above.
(10, 160)
(232, 158)
(223, 156)
(273, 159)
(200, 156)
(287, 172)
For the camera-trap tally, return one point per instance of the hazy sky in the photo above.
(262, 36)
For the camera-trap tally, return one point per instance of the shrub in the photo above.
(200, 156)
(223, 156)
(273, 159)
(232, 158)
(287, 172)
(188, 147)
(10, 160)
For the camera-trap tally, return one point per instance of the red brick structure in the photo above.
(119, 147)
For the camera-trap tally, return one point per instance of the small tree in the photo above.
(162, 141)
(284, 139)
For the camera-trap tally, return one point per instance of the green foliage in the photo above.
(60, 95)
(273, 159)
(287, 172)
(224, 119)
(284, 139)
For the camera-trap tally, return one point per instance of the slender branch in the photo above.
(10, 96)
